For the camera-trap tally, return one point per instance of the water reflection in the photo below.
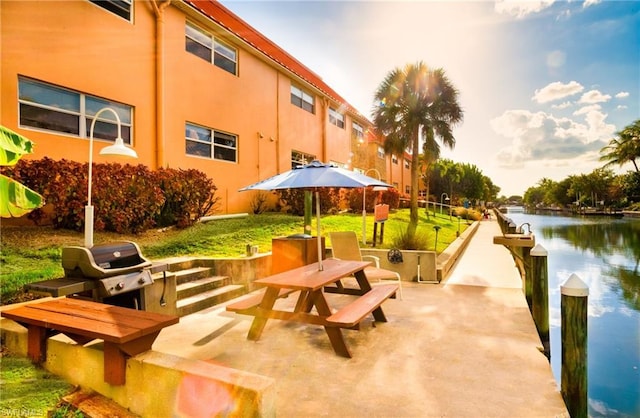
(615, 243)
(605, 254)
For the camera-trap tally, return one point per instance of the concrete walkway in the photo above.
(464, 348)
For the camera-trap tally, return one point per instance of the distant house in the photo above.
(193, 84)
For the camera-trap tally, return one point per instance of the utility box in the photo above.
(290, 252)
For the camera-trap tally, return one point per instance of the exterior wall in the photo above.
(79, 46)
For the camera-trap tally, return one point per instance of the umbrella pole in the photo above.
(320, 267)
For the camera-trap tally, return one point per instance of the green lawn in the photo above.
(33, 253)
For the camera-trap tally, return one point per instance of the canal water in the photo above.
(605, 254)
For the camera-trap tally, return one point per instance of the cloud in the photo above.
(594, 96)
(586, 109)
(622, 95)
(520, 9)
(537, 136)
(588, 3)
(561, 106)
(557, 90)
(621, 107)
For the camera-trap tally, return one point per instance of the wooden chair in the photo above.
(345, 246)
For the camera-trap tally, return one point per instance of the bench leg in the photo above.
(365, 286)
(115, 364)
(335, 334)
(259, 322)
(37, 343)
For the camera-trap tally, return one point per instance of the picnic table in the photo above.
(126, 332)
(313, 285)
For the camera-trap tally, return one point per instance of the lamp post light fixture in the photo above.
(118, 148)
(364, 206)
(435, 246)
(447, 199)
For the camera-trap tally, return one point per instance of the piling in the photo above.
(540, 294)
(573, 306)
(528, 275)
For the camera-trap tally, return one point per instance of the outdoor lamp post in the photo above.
(435, 246)
(364, 206)
(118, 148)
(441, 196)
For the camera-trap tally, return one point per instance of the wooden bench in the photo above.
(352, 314)
(247, 304)
(125, 332)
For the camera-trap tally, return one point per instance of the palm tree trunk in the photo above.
(413, 207)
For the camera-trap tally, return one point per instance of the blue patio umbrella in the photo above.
(314, 176)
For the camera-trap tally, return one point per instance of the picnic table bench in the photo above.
(312, 284)
(126, 332)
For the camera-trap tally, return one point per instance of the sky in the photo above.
(544, 85)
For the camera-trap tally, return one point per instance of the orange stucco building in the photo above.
(194, 86)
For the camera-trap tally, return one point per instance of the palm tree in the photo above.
(625, 148)
(411, 100)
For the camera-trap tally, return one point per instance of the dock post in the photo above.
(528, 276)
(540, 295)
(573, 306)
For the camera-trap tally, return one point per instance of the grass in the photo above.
(29, 391)
(32, 253)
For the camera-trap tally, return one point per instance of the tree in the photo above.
(430, 154)
(625, 148)
(413, 100)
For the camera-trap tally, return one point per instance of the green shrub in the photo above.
(293, 200)
(420, 241)
(127, 198)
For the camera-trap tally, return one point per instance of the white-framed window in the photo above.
(210, 143)
(302, 99)
(394, 159)
(380, 152)
(56, 109)
(300, 158)
(407, 164)
(357, 131)
(122, 8)
(407, 189)
(204, 45)
(336, 118)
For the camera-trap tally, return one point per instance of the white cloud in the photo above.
(541, 136)
(586, 109)
(520, 9)
(622, 95)
(594, 96)
(557, 90)
(561, 106)
(621, 107)
(588, 3)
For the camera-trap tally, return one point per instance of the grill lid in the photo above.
(104, 260)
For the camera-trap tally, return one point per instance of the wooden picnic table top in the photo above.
(309, 278)
(96, 320)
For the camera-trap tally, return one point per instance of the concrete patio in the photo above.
(464, 348)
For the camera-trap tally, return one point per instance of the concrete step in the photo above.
(191, 274)
(208, 299)
(188, 289)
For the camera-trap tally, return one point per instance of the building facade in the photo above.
(194, 86)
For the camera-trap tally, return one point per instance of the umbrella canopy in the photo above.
(313, 176)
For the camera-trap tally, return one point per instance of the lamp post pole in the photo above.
(441, 199)
(118, 148)
(364, 207)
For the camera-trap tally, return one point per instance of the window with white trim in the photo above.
(357, 131)
(380, 152)
(394, 159)
(210, 143)
(336, 118)
(122, 8)
(407, 189)
(300, 158)
(407, 164)
(57, 109)
(302, 99)
(206, 46)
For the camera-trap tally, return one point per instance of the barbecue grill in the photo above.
(113, 273)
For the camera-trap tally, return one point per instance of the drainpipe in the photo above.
(158, 8)
(325, 116)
